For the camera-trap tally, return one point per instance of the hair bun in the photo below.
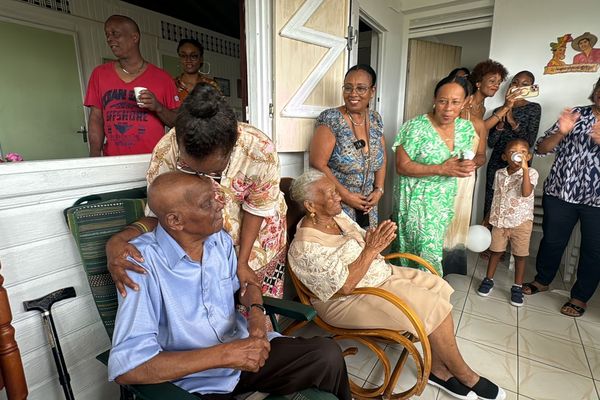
(206, 101)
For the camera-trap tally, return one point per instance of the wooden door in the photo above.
(428, 62)
(41, 104)
(310, 59)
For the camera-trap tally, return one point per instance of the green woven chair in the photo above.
(92, 221)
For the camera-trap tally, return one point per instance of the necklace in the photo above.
(132, 73)
(351, 120)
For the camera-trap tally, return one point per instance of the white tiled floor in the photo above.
(533, 352)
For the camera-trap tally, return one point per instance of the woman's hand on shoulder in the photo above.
(117, 252)
(458, 168)
(379, 238)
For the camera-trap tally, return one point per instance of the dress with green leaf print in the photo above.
(424, 207)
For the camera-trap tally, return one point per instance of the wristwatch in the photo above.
(378, 189)
(259, 306)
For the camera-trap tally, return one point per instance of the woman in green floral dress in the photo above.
(430, 155)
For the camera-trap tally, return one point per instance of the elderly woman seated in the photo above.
(332, 255)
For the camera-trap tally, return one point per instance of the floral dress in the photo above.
(250, 183)
(351, 167)
(424, 206)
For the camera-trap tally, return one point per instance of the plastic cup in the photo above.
(136, 91)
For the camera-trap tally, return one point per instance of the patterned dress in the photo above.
(528, 119)
(351, 167)
(251, 183)
(424, 207)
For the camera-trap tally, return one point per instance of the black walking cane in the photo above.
(43, 305)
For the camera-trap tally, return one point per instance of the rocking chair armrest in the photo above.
(415, 258)
(288, 308)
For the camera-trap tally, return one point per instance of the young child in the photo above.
(511, 216)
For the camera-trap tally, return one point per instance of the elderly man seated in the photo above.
(182, 325)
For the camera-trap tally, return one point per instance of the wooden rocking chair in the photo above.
(374, 339)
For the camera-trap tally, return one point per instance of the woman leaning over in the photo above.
(571, 195)
(348, 146)
(332, 255)
(191, 59)
(208, 141)
(521, 121)
(429, 158)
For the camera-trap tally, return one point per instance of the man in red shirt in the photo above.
(130, 125)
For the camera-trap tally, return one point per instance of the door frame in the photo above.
(259, 53)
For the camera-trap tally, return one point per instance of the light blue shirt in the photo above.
(181, 305)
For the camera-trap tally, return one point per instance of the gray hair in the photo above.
(301, 188)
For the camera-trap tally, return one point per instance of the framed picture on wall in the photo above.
(224, 85)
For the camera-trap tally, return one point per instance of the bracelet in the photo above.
(378, 189)
(259, 306)
(140, 227)
(497, 116)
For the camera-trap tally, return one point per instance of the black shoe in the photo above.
(487, 390)
(453, 387)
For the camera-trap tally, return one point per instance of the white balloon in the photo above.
(479, 238)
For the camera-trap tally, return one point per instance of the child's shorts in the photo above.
(519, 238)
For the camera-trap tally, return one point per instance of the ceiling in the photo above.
(220, 16)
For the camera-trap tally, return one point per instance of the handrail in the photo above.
(12, 375)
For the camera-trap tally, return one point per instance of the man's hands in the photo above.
(257, 324)
(148, 100)
(247, 354)
(117, 251)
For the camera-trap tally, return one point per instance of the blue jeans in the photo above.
(560, 218)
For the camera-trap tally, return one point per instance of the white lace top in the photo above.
(321, 260)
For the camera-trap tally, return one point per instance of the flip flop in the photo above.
(532, 288)
(568, 305)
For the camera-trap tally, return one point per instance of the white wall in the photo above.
(520, 44)
(475, 44)
(390, 86)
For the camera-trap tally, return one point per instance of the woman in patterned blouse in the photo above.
(571, 195)
(349, 147)
(331, 255)
(208, 141)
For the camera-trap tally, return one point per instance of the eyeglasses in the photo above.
(360, 90)
(191, 57)
(183, 167)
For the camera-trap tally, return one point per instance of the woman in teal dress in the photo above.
(431, 152)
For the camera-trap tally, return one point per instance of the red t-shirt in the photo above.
(128, 128)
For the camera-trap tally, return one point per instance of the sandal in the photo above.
(572, 310)
(529, 288)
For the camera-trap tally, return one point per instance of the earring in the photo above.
(434, 106)
(313, 217)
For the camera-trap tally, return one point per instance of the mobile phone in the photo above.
(527, 91)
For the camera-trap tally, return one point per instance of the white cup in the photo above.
(136, 91)
(516, 157)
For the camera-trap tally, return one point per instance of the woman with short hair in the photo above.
(430, 155)
(331, 255)
(349, 147)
